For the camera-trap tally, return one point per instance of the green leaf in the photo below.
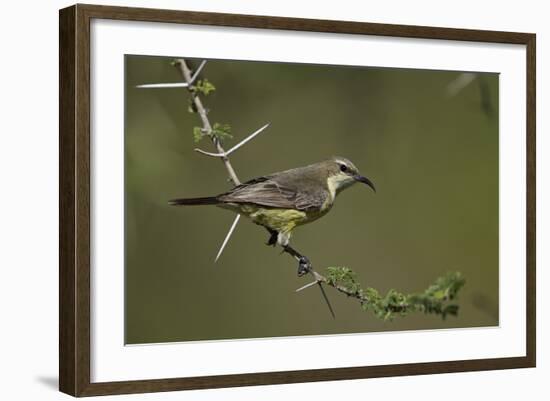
(221, 131)
(205, 87)
(198, 134)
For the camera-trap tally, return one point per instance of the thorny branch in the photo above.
(433, 300)
(207, 127)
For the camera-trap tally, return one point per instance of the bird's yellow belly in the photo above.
(281, 220)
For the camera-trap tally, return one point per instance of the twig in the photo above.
(207, 127)
(319, 278)
(435, 299)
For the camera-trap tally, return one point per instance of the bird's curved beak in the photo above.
(364, 180)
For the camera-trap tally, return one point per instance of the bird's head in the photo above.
(341, 174)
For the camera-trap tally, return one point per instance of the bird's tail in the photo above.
(209, 200)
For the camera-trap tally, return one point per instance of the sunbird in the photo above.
(282, 201)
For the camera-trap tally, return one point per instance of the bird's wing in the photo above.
(270, 192)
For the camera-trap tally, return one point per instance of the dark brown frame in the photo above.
(74, 199)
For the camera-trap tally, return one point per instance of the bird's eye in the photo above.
(343, 168)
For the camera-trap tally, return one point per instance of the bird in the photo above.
(284, 200)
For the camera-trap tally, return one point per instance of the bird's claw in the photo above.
(272, 241)
(304, 266)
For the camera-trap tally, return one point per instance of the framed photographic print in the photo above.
(251, 200)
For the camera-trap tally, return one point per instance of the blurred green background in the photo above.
(432, 155)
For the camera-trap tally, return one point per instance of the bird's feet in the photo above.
(304, 266)
(272, 241)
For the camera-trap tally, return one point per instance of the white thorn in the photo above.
(237, 146)
(248, 138)
(224, 243)
(163, 85)
(208, 153)
(196, 74)
(307, 286)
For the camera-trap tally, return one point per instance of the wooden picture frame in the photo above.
(74, 205)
